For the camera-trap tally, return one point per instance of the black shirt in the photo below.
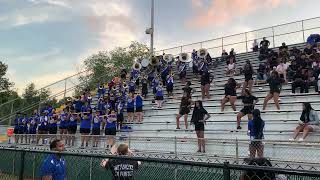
(198, 115)
(264, 43)
(248, 72)
(308, 51)
(205, 79)
(122, 169)
(230, 89)
(187, 90)
(247, 99)
(274, 83)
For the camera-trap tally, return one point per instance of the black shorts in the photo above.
(159, 98)
(184, 111)
(120, 117)
(72, 129)
(95, 131)
(247, 110)
(169, 88)
(16, 131)
(246, 79)
(256, 144)
(110, 131)
(62, 127)
(85, 130)
(53, 130)
(130, 110)
(199, 127)
(139, 109)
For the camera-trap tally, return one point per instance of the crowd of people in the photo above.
(128, 92)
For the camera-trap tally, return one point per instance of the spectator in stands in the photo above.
(111, 128)
(312, 80)
(122, 169)
(275, 84)
(205, 81)
(232, 54)
(85, 127)
(32, 130)
(53, 127)
(309, 122)
(224, 55)
(299, 80)
(184, 110)
(230, 93)
(282, 70)
(199, 117)
(130, 107)
(64, 120)
(249, 101)
(255, 46)
(255, 131)
(258, 174)
(139, 105)
(96, 125)
(248, 79)
(291, 71)
(42, 127)
(283, 51)
(72, 128)
(120, 117)
(261, 73)
(316, 65)
(264, 44)
(231, 68)
(308, 50)
(54, 166)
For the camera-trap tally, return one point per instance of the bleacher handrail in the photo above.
(246, 40)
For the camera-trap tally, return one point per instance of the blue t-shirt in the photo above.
(78, 105)
(72, 121)
(33, 125)
(252, 133)
(130, 103)
(63, 120)
(159, 92)
(43, 122)
(54, 167)
(139, 101)
(97, 122)
(110, 123)
(52, 123)
(86, 123)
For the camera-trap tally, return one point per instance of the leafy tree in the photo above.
(104, 65)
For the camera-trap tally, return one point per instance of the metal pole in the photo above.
(39, 108)
(152, 27)
(65, 89)
(274, 45)
(226, 171)
(91, 160)
(221, 44)
(304, 40)
(22, 165)
(175, 146)
(245, 34)
(237, 151)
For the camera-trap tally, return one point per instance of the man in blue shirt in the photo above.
(54, 166)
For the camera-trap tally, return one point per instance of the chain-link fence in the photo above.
(26, 164)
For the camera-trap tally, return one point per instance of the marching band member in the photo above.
(159, 95)
(139, 105)
(130, 107)
(96, 124)
(85, 127)
(144, 89)
(132, 87)
(101, 91)
(183, 72)
(154, 84)
(120, 117)
(110, 129)
(170, 84)
(164, 73)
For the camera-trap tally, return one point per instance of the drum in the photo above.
(145, 63)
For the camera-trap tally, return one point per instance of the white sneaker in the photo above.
(291, 139)
(301, 140)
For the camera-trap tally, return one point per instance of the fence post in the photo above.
(226, 171)
(65, 88)
(10, 118)
(39, 108)
(221, 44)
(33, 167)
(274, 45)
(91, 168)
(175, 146)
(200, 44)
(245, 34)
(303, 35)
(237, 151)
(22, 165)
(129, 139)
(180, 49)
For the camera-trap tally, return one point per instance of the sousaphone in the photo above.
(136, 66)
(202, 53)
(154, 61)
(184, 57)
(168, 57)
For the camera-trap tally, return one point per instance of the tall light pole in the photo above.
(151, 29)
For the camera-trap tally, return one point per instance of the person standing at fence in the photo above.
(42, 127)
(54, 166)
(122, 169)
(255, 131)
(96, 125)
(85, 127)
(72, 128)
(63, 118)
(199, 117)
(111, 128)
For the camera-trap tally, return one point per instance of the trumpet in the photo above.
(114, 88)
(154, 61)
(184, 57)
(202, 53)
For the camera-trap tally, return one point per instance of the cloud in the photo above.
(221, 12)
(20, 20)
(40, 56)
(59, 3)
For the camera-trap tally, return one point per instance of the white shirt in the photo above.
(281, 68)
(231, 66)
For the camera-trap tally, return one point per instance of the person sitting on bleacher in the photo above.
(261, 73)
(232, 54)
(309, 122)
(255, 46)
(231, 67)
(291, 71)
(308, 50)
(316, 66)
(312, 80)
(282, 70)
(224, 55)
(283, 51)
(299, 80)
(264, 44)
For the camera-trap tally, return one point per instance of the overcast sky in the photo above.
(43, 41)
